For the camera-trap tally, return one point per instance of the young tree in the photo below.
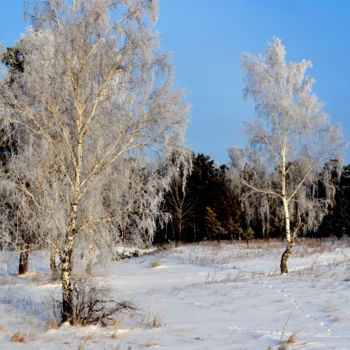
(213, 226)
(288, 143)
(94, 94)
(176, 200)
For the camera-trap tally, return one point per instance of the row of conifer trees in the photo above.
(205, 206)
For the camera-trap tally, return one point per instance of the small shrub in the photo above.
(248, 235)
(19, 337)
(153, 320)
(127, 254)
(52, 322)
(54, 310)
(91, 305)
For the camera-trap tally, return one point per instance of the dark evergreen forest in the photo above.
(205, 206)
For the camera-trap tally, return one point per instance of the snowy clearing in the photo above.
(203, 296)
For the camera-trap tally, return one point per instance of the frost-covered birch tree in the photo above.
(94, 101)
(289, 143)
(177, 201)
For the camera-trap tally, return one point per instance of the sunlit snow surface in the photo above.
(204, 296)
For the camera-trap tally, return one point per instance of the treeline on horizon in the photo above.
(204, 205)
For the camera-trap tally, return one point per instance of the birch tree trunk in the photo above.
(288, 252)
(67, 287)
(67, 261)
(290, 241)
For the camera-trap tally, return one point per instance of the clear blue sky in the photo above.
(207, 38)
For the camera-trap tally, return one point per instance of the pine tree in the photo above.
(214, 228)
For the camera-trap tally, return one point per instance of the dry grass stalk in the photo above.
(86, 337)
(52, 322)
(292, 339)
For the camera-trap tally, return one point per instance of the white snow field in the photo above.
(196, 296)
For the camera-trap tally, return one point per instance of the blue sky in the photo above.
(207, 38)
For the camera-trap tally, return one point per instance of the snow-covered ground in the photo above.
(204, 296)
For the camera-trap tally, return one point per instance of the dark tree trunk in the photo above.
(67, 293)
(23, 262)
(286, 254)
(67, 286)
(53, 265)
(266, 230)
(24, 256)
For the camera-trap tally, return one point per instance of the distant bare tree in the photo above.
(177, 201)
(94, 94)
(180, 206)
(289, 143)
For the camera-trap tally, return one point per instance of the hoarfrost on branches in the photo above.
(289, 144)
(94, 111)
